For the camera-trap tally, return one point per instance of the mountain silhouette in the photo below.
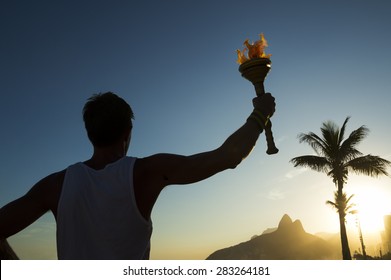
(288, 242)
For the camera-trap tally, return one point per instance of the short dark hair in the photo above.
(106, 118)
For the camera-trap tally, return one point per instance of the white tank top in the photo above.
(97, 215)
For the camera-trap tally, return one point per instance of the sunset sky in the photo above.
(175, 63)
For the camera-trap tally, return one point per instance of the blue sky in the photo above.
(175, 63)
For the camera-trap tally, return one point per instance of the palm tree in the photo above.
(342, 202)
(336, 156)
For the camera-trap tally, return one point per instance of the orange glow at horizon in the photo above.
(371, 206)
(254, 50)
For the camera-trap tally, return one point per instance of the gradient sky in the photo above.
(175, 63)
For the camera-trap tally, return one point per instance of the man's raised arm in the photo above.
(175, 169)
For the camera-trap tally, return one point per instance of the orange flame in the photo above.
(255, 50)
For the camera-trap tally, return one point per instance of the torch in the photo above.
(254, 67)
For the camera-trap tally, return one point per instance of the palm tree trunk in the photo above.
(344, 238)
(342, 227)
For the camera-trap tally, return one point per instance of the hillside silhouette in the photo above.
(288, 242)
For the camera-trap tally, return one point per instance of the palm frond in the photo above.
(348, 148)
(342, 131)
(342, 203)
(348, 153)
(357, 135)
(316, 163)
(330, 132)
(316, 143)
(332, 204)
(350, 205)
(369, 165)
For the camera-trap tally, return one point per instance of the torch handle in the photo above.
(271, 146)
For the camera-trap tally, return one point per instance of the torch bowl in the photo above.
(255, 70)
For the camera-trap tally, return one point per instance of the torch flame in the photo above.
(255, 50)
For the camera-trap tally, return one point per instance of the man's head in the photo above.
(107, 119)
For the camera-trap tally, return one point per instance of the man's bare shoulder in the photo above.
(52, 180)
(157, 167)
(146, 167)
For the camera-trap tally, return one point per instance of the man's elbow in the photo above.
(234, 163)
(233, 157)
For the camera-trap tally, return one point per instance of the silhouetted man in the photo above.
(103, 206)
